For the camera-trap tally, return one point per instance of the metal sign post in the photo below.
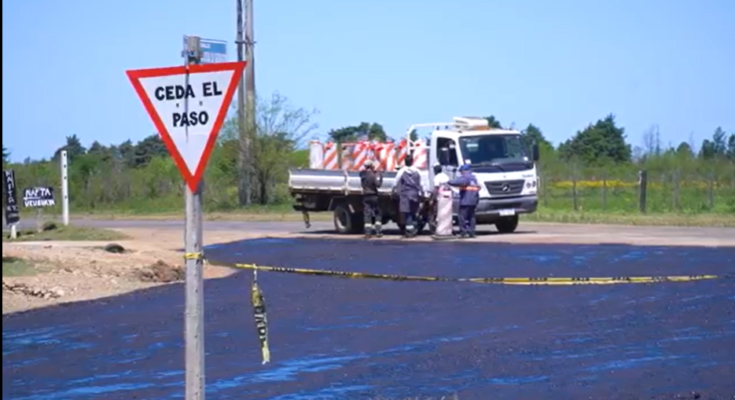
(194, 324)
(188, 105)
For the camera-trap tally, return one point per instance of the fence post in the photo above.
(575, 201)
(544, 192)
(676, 205)
(712, 178)
(642, 188)
(604, 191)
(64, 188)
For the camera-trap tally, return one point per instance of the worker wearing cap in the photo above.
(469, 196)
(371, 181)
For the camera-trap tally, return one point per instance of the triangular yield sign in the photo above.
(188, 118)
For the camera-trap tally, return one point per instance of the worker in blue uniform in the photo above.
(410, 191)
(469, 196)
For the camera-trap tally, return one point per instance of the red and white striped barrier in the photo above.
(331, 158)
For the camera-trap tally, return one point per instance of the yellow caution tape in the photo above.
(261, 319)
(194, 256)
(498, 280)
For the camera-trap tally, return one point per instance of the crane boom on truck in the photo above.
(503, 164)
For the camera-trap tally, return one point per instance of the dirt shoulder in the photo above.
(48, 273)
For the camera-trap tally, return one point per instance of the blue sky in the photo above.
(558, 64)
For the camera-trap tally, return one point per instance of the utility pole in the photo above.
(250, 76)
(243, 159)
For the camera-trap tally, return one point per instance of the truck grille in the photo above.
(505, 188)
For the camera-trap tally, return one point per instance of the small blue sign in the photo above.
(213, 51)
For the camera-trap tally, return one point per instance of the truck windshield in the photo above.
(489, 149)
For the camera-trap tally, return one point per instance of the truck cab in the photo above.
(500, 159)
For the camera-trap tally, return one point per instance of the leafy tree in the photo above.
(719, 142)
(374, 131)
(96, 148)
(73, 148)
(684, 150)
(598, 144)
(85, 166)
(708, 151)
(105, 154)
(493, 122)
(731, 147)
(126, 152)
(533, 134)
(281, 130)
(148, 148)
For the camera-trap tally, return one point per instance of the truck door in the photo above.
(440, 142)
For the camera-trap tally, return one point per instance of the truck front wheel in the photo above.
(507, 224)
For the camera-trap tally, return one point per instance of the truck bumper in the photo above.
(488, 210)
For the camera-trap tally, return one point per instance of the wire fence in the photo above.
(633, 191)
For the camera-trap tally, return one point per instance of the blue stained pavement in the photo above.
(348, 338)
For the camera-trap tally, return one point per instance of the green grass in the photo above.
(14, 266)
(690, 206)
(660, 199)
(66, 233)
(633, 218)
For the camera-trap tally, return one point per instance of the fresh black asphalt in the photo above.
(351, 338)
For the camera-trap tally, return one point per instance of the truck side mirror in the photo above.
(444, 156)
(535, 152)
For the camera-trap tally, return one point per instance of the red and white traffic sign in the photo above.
(188, 130)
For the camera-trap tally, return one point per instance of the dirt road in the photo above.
(527, 231)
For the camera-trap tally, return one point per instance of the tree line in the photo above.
(142, 176)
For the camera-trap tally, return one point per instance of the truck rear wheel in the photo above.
(507, 224)
(346, 222)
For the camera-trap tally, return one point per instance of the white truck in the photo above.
(502, 163)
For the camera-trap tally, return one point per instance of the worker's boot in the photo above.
(368, 231)
(378, 230)
(409, 232)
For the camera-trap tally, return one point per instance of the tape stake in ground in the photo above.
(261, 319)
(547, 281)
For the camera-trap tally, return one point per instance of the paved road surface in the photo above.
(351, 339)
